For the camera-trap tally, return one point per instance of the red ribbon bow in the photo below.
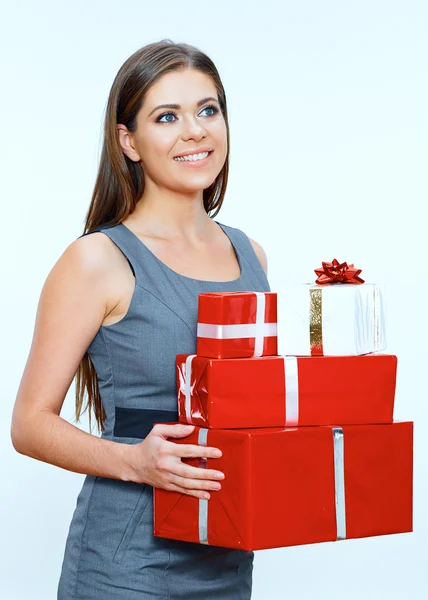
(335, 272)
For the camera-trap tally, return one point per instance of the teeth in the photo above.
(200, 156)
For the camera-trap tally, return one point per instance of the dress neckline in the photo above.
(166, 268)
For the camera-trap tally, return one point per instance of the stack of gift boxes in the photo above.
(310, 451)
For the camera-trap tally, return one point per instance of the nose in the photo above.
(192, 128)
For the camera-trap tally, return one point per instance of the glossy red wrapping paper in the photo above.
(236, 308)
(279, 487)
(252, 392)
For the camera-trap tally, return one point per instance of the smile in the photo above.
(200, 159)
(192, 157)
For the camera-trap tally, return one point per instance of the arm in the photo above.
(79, 292)
(73, 303)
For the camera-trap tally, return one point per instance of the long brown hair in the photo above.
(120, 181)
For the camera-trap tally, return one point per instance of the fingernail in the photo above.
(216, 452)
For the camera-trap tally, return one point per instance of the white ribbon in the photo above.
(291, 378)
(203, 504)
(187, 388)
(260, 322)
(236, 330)
(339, 482)
(339, 486)
(258, 330)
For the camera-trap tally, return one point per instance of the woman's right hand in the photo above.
(157, 461)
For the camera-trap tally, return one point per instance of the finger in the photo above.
(192, 450)
(205, 495)
(176, 430)
(183, 470)
(194, 484)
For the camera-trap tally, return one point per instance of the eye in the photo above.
(214, 108)
(158, 120)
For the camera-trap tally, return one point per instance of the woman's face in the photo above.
(163, 133)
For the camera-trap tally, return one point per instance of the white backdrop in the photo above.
(327, 104)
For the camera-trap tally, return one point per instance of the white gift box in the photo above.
(331, 320)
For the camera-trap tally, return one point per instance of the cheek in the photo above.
(155, 149)
(159, 143)
(218, 133)
(218, 130)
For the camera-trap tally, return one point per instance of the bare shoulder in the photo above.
(261, 254)
(94, 260)
(80, 282)
(91, 253)
(95, 257)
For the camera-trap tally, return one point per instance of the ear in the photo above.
(125, 140)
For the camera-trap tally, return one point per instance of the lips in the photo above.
(195, 151)
(194, 164)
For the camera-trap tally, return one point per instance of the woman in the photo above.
(116, 309)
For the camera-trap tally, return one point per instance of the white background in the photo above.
(327, 104)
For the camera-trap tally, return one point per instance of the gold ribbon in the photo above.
(315, 322)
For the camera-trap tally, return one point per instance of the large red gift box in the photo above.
(237, 324)
(292, 486)
(285, 390)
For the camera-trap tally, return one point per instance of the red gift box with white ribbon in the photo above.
(237, 324)
(271, 391)
(297, 485)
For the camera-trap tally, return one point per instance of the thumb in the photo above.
(177, 430)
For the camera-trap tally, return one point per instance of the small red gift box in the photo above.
(237, 324)
(292, 486)
(272, 391)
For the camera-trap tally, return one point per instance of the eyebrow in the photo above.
(178, 106)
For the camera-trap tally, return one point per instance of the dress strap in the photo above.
(249, 258)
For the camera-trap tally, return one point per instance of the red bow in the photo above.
(338, 273)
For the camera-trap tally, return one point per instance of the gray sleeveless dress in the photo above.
(110, 552)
